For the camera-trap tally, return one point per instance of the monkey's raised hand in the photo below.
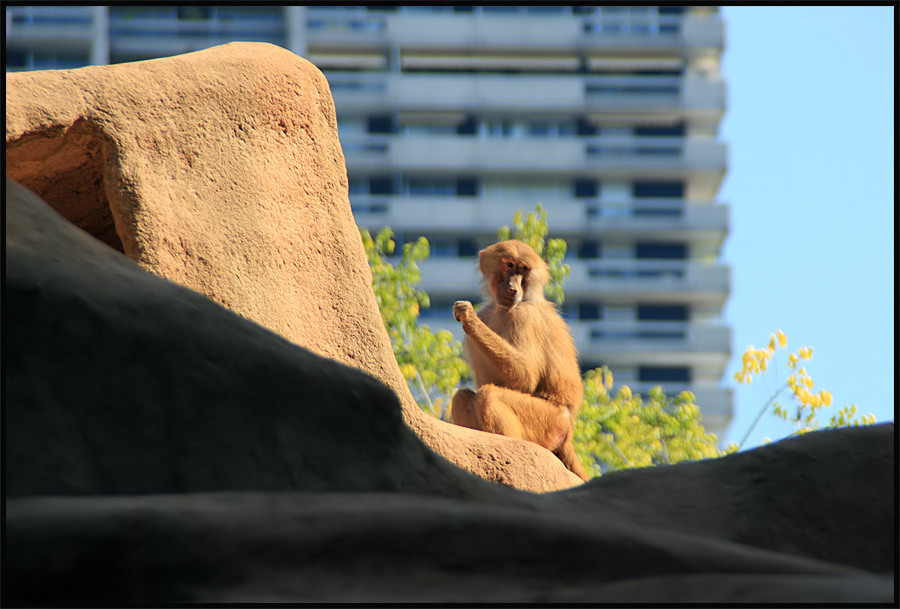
(463, 311)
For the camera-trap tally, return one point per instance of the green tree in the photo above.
(431, 363)
(624, 430)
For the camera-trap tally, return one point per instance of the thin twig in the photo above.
(764, 408)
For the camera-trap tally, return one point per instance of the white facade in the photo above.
(454, 118)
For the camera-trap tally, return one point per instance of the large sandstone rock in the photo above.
(221, 170)
(161, 449)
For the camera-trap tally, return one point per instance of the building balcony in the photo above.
(631, 343)
(611, 281)
(650, 281)
(623, 157)
(677, 219)
(57, 28)
(479, 31)
(148, 36)
(673, 97)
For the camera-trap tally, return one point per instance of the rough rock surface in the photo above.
(221, 170)
(161, 449)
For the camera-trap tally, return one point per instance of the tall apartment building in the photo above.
(452, 118)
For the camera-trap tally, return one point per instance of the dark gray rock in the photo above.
(159, 448)
(373, 547)
(119, 381)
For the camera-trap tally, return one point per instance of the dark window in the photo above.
(467, 187)
(659, 374)
(668, 29)
(442, 247)
(672, 10)
(357, 187)
(586, 129)
(589, 310)
(589, 249)
(438, 309)
(539, 129)
(661, 131)
(658, 210)
(586, 188)
(667, 251)
(463, 9)
(663, 312)
(468, 127)
(16, 58)
(194, 12)
(381, 7)
(468, 247)
(381, 185)
(430, 186)
(658, 189)
(381, 124)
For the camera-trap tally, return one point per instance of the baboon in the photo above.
(522, 355)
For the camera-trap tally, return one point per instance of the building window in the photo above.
(438, 309)
(193, 13)
(468, 127)
(669, 29)
(665, 251)
(663, 312)
(539, 129)
(499, 128)
(357, 187)
(590, 311)
(429, 130)
(467, 187)
(468, 248)
(381, 185)
(662, 374)
(430, 187)
(381, 124)
(586, 189)
(677, 130)
(442, 248)
(589, 248)
(585, 129)
(647, 189)
(16, 59)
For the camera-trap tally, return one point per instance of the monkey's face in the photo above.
(510, 282)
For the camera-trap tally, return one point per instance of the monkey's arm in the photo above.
(513, 364)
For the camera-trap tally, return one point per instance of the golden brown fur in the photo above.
(522, 355)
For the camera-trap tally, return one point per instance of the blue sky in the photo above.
(810, 129)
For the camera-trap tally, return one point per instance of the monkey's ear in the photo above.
(481, 254)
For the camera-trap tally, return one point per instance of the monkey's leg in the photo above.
(569, 457)
(526, 417)
(519, 415)
(462, 409)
